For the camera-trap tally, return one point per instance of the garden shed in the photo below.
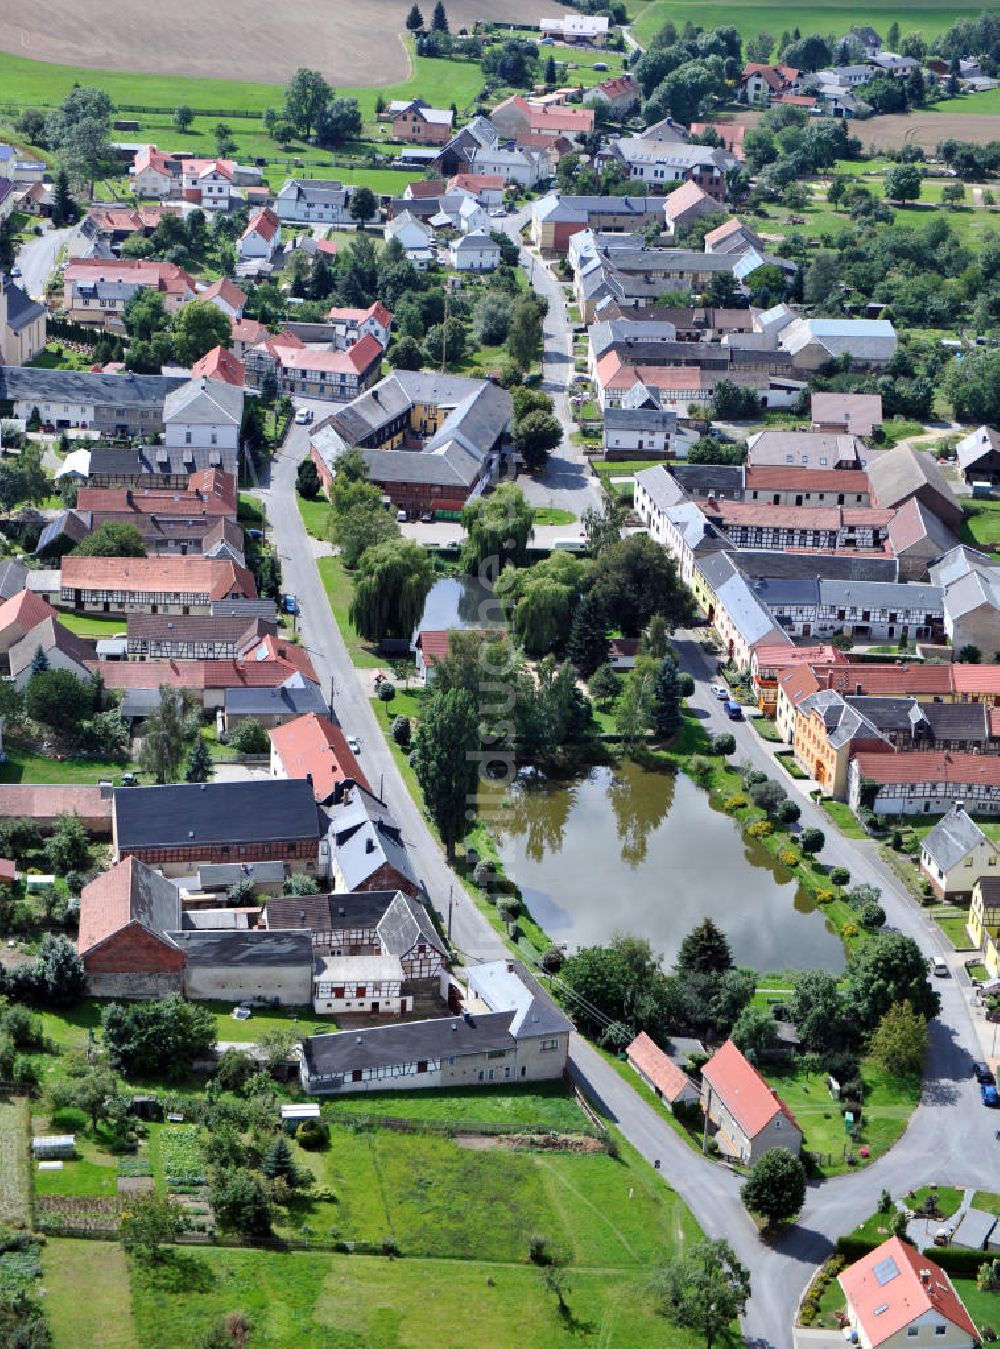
(47, 1146)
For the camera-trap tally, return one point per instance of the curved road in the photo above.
(950, 1138)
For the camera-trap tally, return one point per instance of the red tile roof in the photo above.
(775, 478)
(265, 223)
(227, 290)
(785, 656)
(976, 678)
(682, 199)
(853, 413)
(619, 85)
(249, 332)
(886, 680)
(49, 802)
(730, 133)
(434, 644)
(216, 578)
(477, 182)
(931, 766)
(548, 118)
(193, 674)
(163, 276)
(355, 359)
(271, 647)
(221, 364)
(24, 611)
(116, 898)
(8, 870)
(654, 1065)
(745, 1094)
(210, 492)
(895, 1284)
(793, 517)
(431, 187)
(314, 746)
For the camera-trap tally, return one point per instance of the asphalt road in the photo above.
(36, 259)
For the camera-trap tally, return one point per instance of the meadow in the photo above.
(835, 16)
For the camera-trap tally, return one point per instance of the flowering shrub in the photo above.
(849, 930)
(788, 857)
(737, 802)
(761, 829)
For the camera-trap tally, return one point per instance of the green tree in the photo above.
(300, 883)
(278, 1163)
(306, 95)
(166, 736)
(149, 1222)
(667, 700)
(498, 528)
(705, 1289)
(445, 761)
(635, 707)
(524, 336)
(391, 587)
(902, 183)
(79, 133)
(705, 950)
(622, 983)
(900, 1041)
(64, 210)
(225, 143)
(338, 122)
(307, 480)
(760, 47)
(112, 540)
(887, 969)
(160, 1038)
(358, 520)
(363, 205)
(92, 1093)
(68, 849)
(406, 354)
(635, 579)
(198, 327)
(588, 641)
(249, 737)
(199, 761)
(754, 1031)
(183, 117)
(414, 20)
(240, 1201)
(439, 20)
(60, 701)
(551, 74)
(776, 1188)
(973, 385)
(144, 315)
(535, 436)
(603, 684)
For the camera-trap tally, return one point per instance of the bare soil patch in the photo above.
(354, 44)
(926, 129)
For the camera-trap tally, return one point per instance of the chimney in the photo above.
(369, 845)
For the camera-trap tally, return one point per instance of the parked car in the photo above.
(721, 692)
(939, 967)
(401, 517)
(981, 1072)
(303, 417)
(988, 1092)
(353, 745)
(290, 604)
(255, 533)
(733, 710)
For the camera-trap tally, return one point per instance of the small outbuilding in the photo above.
(45, 1147)
(659, 1073)
(294, 1115)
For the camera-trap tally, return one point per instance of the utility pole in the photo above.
(451, 889)
(444, 330)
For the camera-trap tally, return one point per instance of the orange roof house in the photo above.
(19, 615)
(118, 584)
(314, 747)
(749, 1116)
(226, 295)
(221, 364)
(125, 915)
(660, 1073)
(895, 1292)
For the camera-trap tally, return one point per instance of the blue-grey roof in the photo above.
(82, 386)
(882, 595)
(284, 701)
(791, 590)
(336, 1056)
(952, 838)
(238, 949)
(21, 308)
(186, 815)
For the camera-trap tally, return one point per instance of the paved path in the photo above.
(950, 1136)
(36, 259)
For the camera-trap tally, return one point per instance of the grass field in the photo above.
(887, 1106)
(93, 625)
(547, 1103)
(981, 526)
(87, 1295)
(829, 16)
(843, 817)
(552, 515)
(15, 1176)
(315, 516)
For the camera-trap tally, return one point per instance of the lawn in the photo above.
(888, 1105)
(552, 515)
(300, 1019)
(315, 516)
(25, 766)
(90, 625)
(981, 526)
(88, 1300)
(57, 357)
(552, 1104)
(843, 817)
(339, 589)
(766, 729)
(953, 925)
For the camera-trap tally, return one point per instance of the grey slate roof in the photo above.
(215, 874)
(663, 488)
(902, 472)
(843, 722)
(882, 595)
(760, 563)
(288, 700)
(331, 912)
(367, 837)
(710, 479)
(504, 984)
(957, 721)
(640, 419)
(185, 815)
(404, 924)
(952, 838)
(236, 949)
(343, 1052)
(250, 609)
(13, 578)
(204, 402)
(82, 386)
(21, 308)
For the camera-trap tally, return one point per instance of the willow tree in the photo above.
(390, 589)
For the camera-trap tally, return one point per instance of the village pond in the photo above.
(623, 848)
(460, 602)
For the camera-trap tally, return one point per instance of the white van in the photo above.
(569, 545)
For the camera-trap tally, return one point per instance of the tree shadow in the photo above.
(178, 1272)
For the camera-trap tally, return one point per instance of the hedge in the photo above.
(952, 1259)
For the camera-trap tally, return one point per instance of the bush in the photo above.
(840, 875)
(249, 737)
(825, 896)
(872, 916)
(724, 743)
(685, 685)
(400, 731)
(788, 812)
(234, 1070)
(482, 875)
(313, 1135)
(737, 802)
(811, 841)
(760, 829)
(70, 1120)
(552, 959)
(788, 857)
(538, 1250)
(386, 691)
(849, 930)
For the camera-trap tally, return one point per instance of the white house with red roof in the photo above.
(208, 183)
(519, 116)
(261, 239)
(749, 1116)
(220, 364)
(155, 173)
(350, 325)
(317, 372)
(226, 295)
(619, 95)
(487, 188)
(896, 1296)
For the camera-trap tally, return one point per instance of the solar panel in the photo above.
(886, 1270)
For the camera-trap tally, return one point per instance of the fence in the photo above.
(483, 1128)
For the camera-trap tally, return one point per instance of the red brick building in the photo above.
(124, 917)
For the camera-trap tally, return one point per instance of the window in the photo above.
(549, 1044)
(940, 1330)
(912, 1332)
